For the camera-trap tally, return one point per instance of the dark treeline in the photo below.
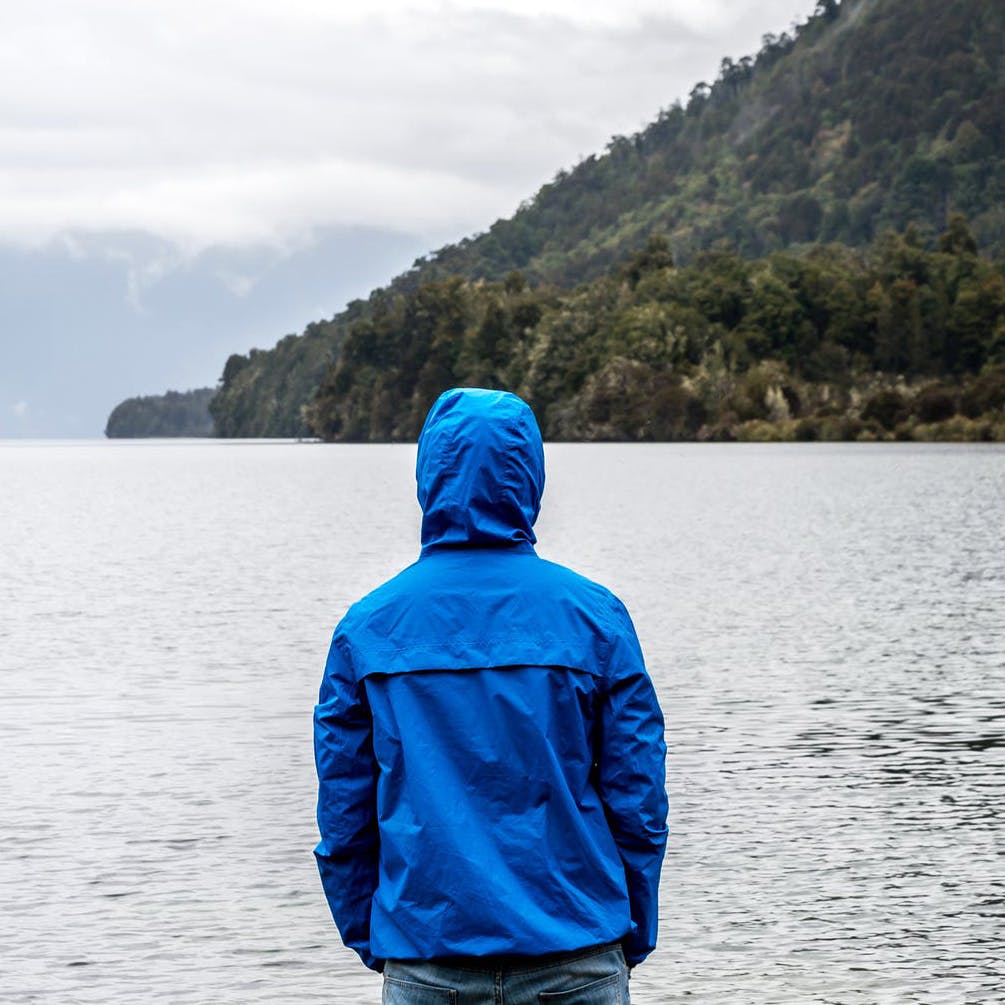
(176, 413)
(835, 343)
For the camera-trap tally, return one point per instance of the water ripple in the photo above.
(823, 624)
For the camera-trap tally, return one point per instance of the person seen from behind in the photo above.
(489, 748)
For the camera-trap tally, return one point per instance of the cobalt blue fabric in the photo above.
(489, 746)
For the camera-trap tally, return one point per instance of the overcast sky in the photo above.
(243, 121)
(205, 127)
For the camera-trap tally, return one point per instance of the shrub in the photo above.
(850, 428)
(958, 429)
(888, 408)
(985, 394)
(935, 404)
(807, 430)
(762, 431)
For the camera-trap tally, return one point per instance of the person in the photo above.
(490, 749)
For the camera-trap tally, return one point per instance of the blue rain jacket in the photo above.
(489, 747)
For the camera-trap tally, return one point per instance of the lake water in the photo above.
(825, 625)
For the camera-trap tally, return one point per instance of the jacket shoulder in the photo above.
(388, 593)
(471, 608)
(603, 599)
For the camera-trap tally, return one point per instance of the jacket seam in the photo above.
(463, 643)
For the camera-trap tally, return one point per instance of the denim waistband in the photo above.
(494, 964)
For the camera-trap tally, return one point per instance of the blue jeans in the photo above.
(595, 976)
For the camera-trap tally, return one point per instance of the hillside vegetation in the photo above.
(833, 344)
(176, 413)
(800, 203)
(874, 115)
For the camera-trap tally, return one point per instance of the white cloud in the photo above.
(237, 282)
(226, 122)
(20, 409)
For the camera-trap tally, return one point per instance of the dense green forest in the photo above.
(176, 413)
(801, 203)
(894, 341)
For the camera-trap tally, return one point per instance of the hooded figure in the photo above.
(489, 746)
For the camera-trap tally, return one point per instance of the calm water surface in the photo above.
(825, 626)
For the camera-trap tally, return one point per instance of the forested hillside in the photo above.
(874, 116)
(892, 342)
(176, 413)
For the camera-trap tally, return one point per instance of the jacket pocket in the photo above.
(607, 991)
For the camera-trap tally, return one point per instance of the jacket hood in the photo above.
(480, 469)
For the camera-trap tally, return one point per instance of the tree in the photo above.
(656, 255)
(234, 365)
(958, 238)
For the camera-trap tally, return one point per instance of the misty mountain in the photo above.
(112, 316)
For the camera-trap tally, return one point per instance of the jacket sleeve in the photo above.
(347, 813)
(631, 773)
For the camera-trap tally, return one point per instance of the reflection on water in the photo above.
(824, 625)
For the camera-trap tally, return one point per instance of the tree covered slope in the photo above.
(876, 115)
(176, 413)
(837, 343)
